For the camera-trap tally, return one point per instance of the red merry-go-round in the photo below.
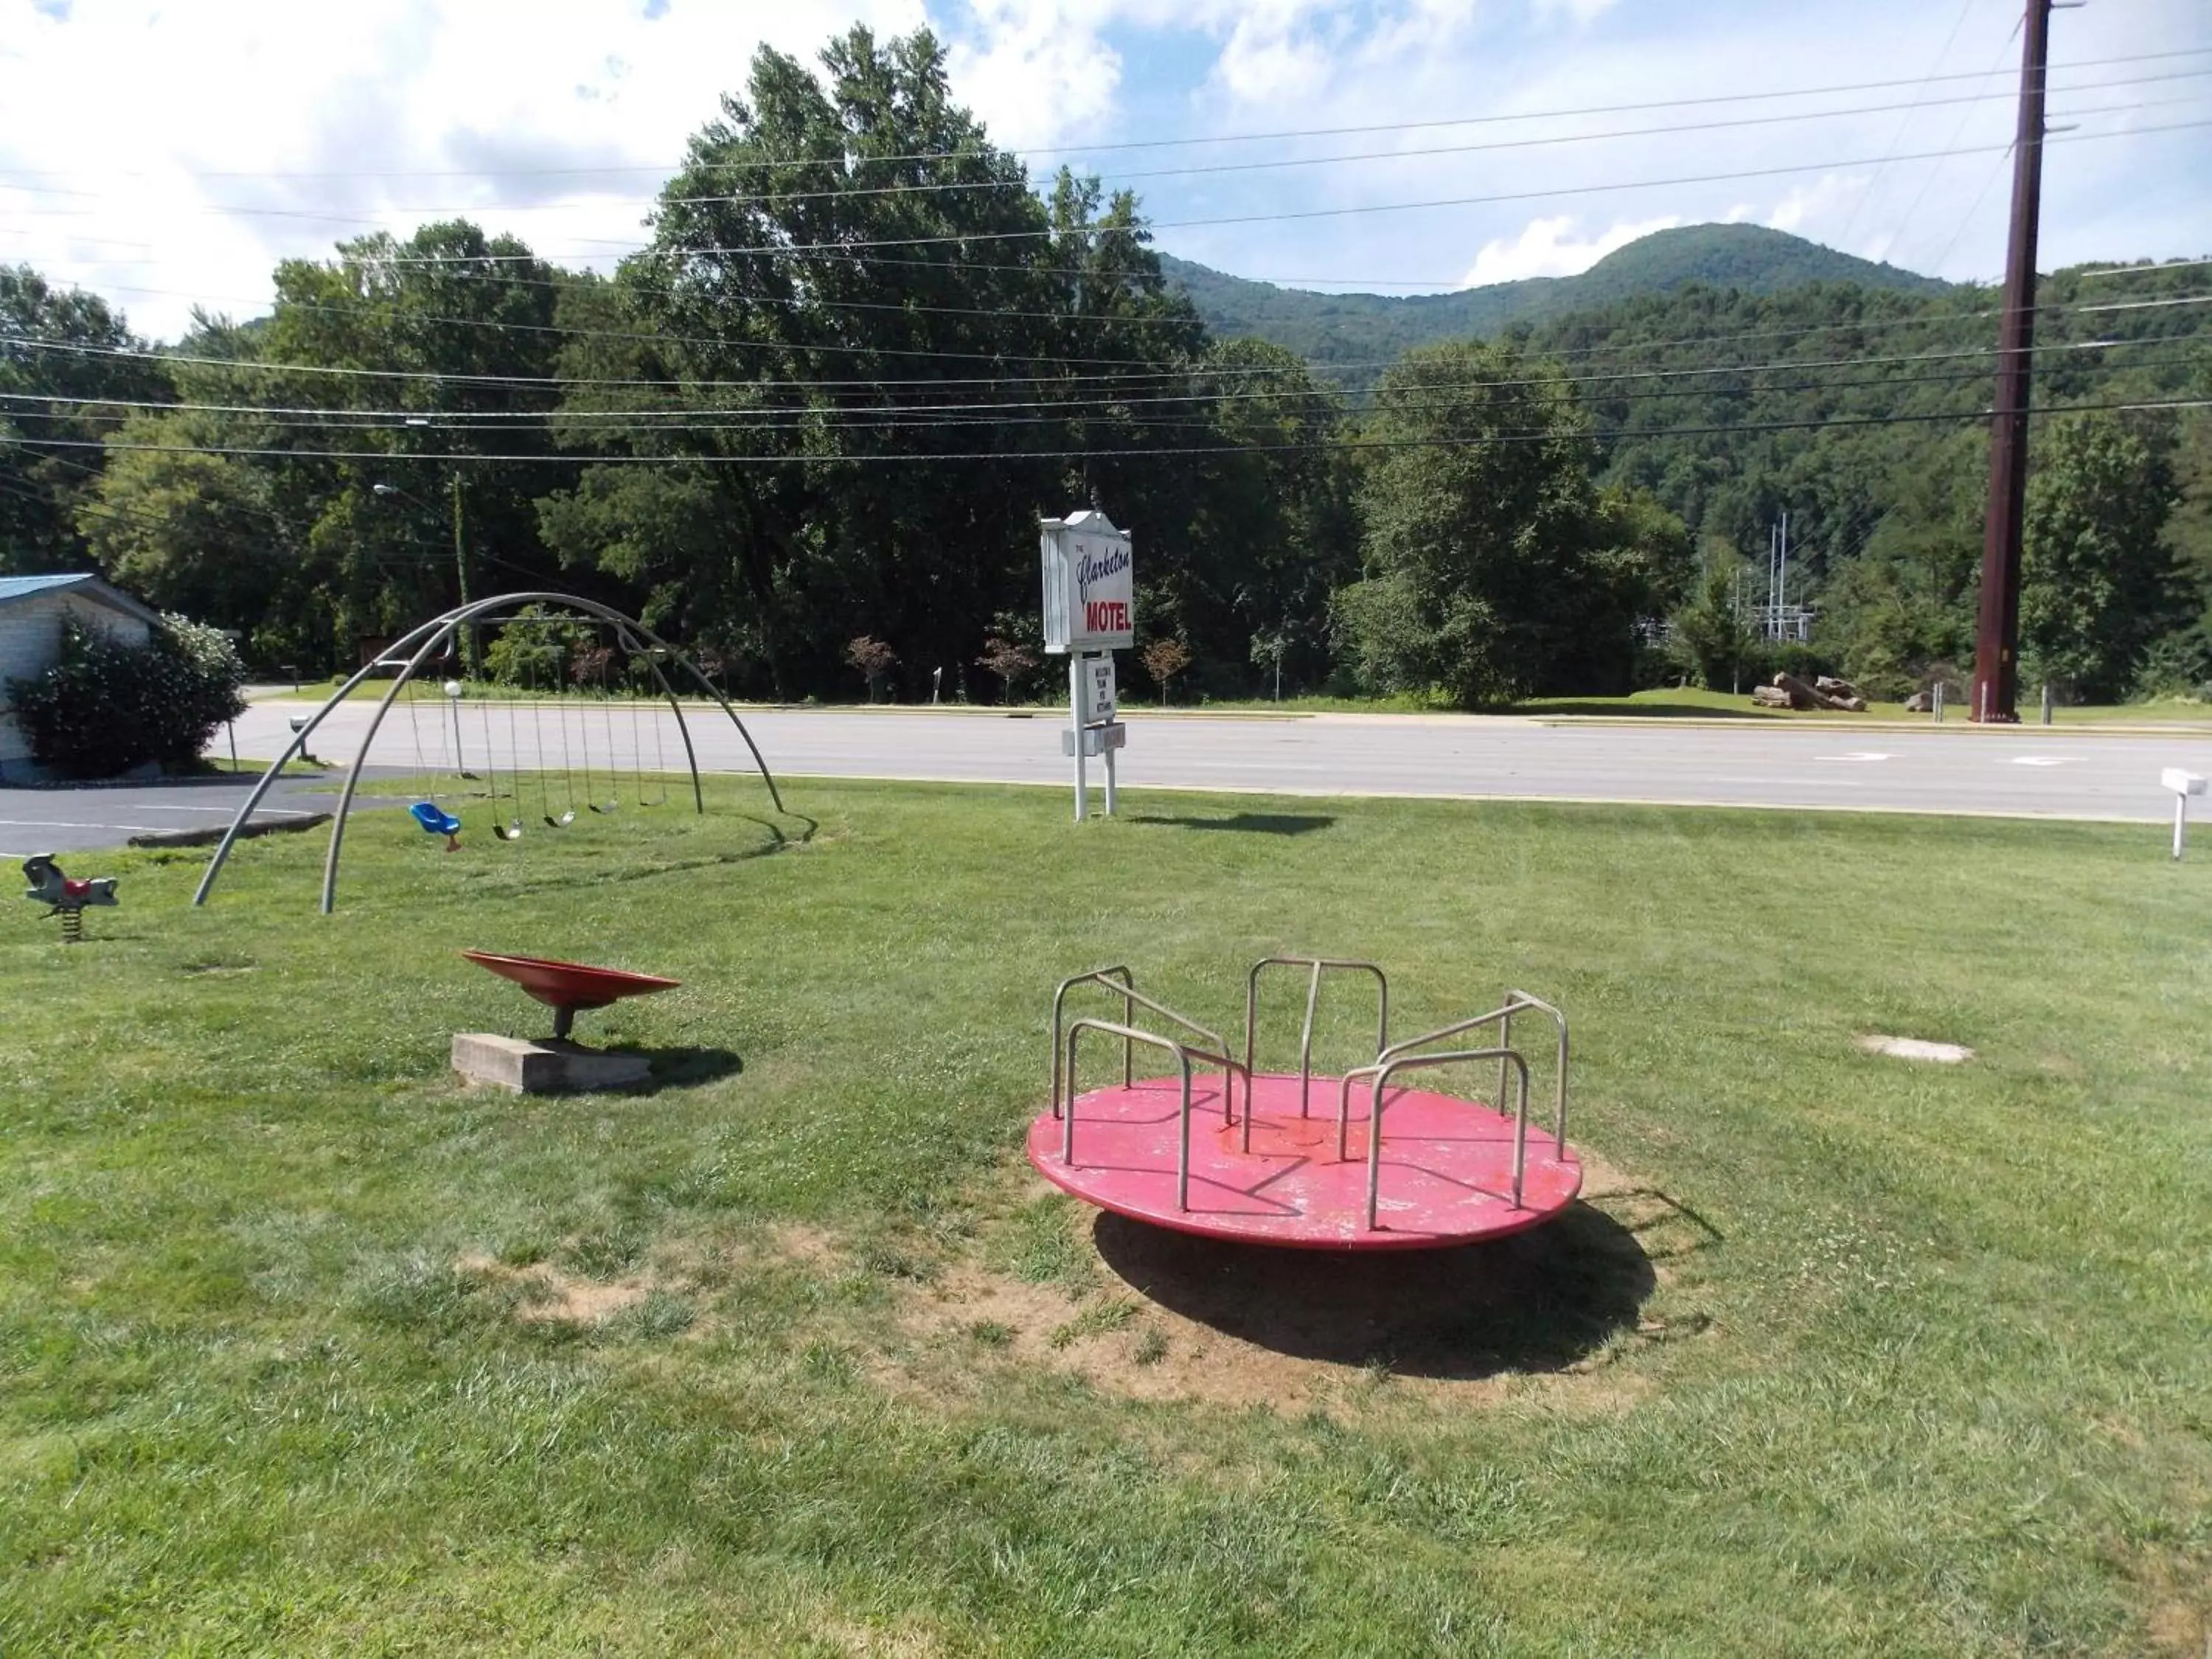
(1363, 1161)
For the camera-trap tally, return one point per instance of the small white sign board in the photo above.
(1095, 683)
(2184, 785)
(1090, 584)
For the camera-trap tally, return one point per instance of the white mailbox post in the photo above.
(1090, 613)
(2184, 785)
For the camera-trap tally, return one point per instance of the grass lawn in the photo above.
(305, 1349)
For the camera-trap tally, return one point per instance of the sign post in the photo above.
(1089, 605)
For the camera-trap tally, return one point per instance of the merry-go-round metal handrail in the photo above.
(1313, 997)
(422, 640)
(1515, 1000)
(1132, 998)
(1106, 977)
(1384, 1074)
(1501, 1017)
(1184, 1054)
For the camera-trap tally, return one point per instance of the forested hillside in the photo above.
(1859, 425)
(1361, 331)
(823, 407)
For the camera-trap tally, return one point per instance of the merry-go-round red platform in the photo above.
(1289, 1158)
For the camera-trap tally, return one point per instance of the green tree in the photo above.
(186, 528)
(458, 328)
(807, 509)
(2098, 583)
(1250, 540)
(67, 372)
(1903, 609)
(1480, 521)
(870, 346)
(1710, 636)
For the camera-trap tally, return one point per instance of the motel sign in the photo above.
(1090, 604)
(1090, 584)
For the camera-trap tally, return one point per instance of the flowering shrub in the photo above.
(108, 706)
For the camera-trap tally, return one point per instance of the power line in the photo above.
(430, 554)
(940, 187)
(1923, 319)
(1546, 194)
(464, 417)
(1003, 455)
(904, 418)
(1958, 132)
(1143, 231)
(560, 383)
(982, 151)
(2138, 271)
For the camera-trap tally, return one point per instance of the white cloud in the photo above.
(1805, 206)
(1548, 247)
(336, 120)
(1040, 73)
(1268, 63)
(1583, 12)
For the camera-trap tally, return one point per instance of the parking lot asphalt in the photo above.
(64, 820)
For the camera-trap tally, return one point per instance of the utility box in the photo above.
(1096, 740)
(1090, 584)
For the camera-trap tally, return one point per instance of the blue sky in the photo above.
(164, 153)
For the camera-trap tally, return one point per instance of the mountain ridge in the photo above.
(1356, 327)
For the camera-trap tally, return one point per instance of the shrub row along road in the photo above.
(2027, 771)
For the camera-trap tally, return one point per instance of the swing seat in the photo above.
(435, 819)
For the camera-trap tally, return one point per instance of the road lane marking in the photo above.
(65, 824)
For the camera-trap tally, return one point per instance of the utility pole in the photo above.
(1997, 635)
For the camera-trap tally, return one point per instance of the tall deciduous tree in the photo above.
(67, 361)
(185, 527)
(2097, 583)
(873, 344)
(456, 332)
(845, 280)
(1482, 529)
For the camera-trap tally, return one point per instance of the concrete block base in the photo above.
(548, 1067)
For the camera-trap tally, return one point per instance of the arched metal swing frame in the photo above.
(423, 643)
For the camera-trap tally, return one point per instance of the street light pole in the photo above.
(469, 640)
(468, 637)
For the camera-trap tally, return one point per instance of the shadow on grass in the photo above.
(643, 868)
(1539, 1301)
(777, 840)
(1258, 823)
(687, 1068)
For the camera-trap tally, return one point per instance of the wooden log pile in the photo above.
(1788, 691)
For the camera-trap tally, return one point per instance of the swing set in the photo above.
(646, 657)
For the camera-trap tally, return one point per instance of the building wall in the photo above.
(31, 642)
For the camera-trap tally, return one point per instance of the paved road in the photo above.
(2026, 772)
(70, 820)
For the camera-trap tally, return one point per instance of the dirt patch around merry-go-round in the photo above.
(1145, 1313)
